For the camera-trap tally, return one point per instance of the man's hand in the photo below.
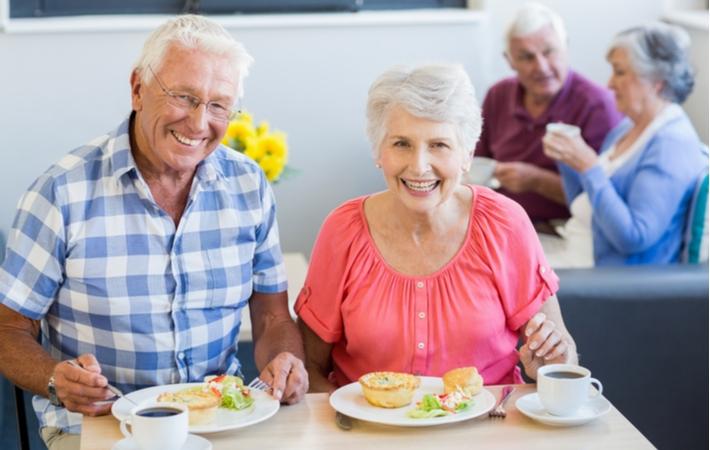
(517, 177)
(287, 377)
(80, 386)
(545, 344)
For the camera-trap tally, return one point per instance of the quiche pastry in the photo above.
(465, 379)
(202, 405)
(389, 389)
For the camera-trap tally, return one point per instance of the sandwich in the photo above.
(465, 379)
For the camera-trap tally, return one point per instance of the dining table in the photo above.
(311, 424)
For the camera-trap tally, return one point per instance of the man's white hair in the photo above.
(193, 32)
(531, 18)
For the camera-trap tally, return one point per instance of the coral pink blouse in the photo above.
(467, 313)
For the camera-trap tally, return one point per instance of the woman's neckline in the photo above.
(440, 270)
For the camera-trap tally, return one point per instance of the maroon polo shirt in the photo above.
(511, 134)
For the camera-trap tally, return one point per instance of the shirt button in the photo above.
(543, 270)
(421, 315)
(181, 355)
(420, 284)
(420, 345)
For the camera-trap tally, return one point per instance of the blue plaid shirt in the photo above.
(92, 254)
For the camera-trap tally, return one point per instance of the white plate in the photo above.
(192, 443)
(264, 407)
(350, 401)
(531, 406)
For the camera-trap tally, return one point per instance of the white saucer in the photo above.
(193, 442)
(531, 406)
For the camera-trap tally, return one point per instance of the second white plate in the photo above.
(350, 401)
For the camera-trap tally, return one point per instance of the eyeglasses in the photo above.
(185, 101)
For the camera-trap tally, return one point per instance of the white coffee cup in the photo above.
(481, 171)
(157, 425)
(563, 128)
(564, 388)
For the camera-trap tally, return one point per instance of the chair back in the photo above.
(695, 239)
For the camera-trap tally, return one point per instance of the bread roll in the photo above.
(201, 405)
(465, 378)
(389, 389)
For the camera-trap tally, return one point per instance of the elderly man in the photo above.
(135, 254)
(516, 111)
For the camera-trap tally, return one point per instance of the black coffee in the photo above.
(159, 412)
(562, 374)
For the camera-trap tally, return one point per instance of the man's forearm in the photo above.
(279, 336)
(549, 185)
(23, 361)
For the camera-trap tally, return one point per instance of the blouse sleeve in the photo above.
(318, 303)
(522, 275)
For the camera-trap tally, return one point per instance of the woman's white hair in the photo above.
(439, 92)
(194, 32)
(658, 52)
(532, 17)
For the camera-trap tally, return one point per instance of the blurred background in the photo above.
(65, 79)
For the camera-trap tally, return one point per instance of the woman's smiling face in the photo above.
(422, 160)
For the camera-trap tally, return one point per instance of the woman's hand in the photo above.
(545, 343)
(571, 150)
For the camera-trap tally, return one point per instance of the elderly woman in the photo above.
(430, 274)
(629, 204)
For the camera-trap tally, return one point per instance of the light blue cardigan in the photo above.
(639, 212)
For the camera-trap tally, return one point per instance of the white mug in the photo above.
(564, 388)
(562, 128)
(157, 425)
(481, 171)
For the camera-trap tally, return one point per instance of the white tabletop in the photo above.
(310, 425)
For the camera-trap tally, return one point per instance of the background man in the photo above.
(516, 111)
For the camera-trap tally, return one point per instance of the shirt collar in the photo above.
(119, 150)
(519, 108)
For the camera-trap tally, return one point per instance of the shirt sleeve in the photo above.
(522, 275)
(483, 147)
(319, 302)
(32, 270)
(269, 271)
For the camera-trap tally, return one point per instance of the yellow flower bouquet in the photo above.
(268, 148)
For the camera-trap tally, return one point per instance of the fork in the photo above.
(259, 384)
(114, 390)
(499, 410)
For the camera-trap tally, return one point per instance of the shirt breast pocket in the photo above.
(217, 279)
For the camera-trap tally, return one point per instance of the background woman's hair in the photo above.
(440, 92)
(659, 53)
(192, 31)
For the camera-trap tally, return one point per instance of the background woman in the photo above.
(629, 204)
(430, 274)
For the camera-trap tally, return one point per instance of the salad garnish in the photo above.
(432, 405)
(231, 391)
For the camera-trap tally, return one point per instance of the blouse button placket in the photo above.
(420, 327)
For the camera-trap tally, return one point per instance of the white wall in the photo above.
(59, 90)
(62, 89)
